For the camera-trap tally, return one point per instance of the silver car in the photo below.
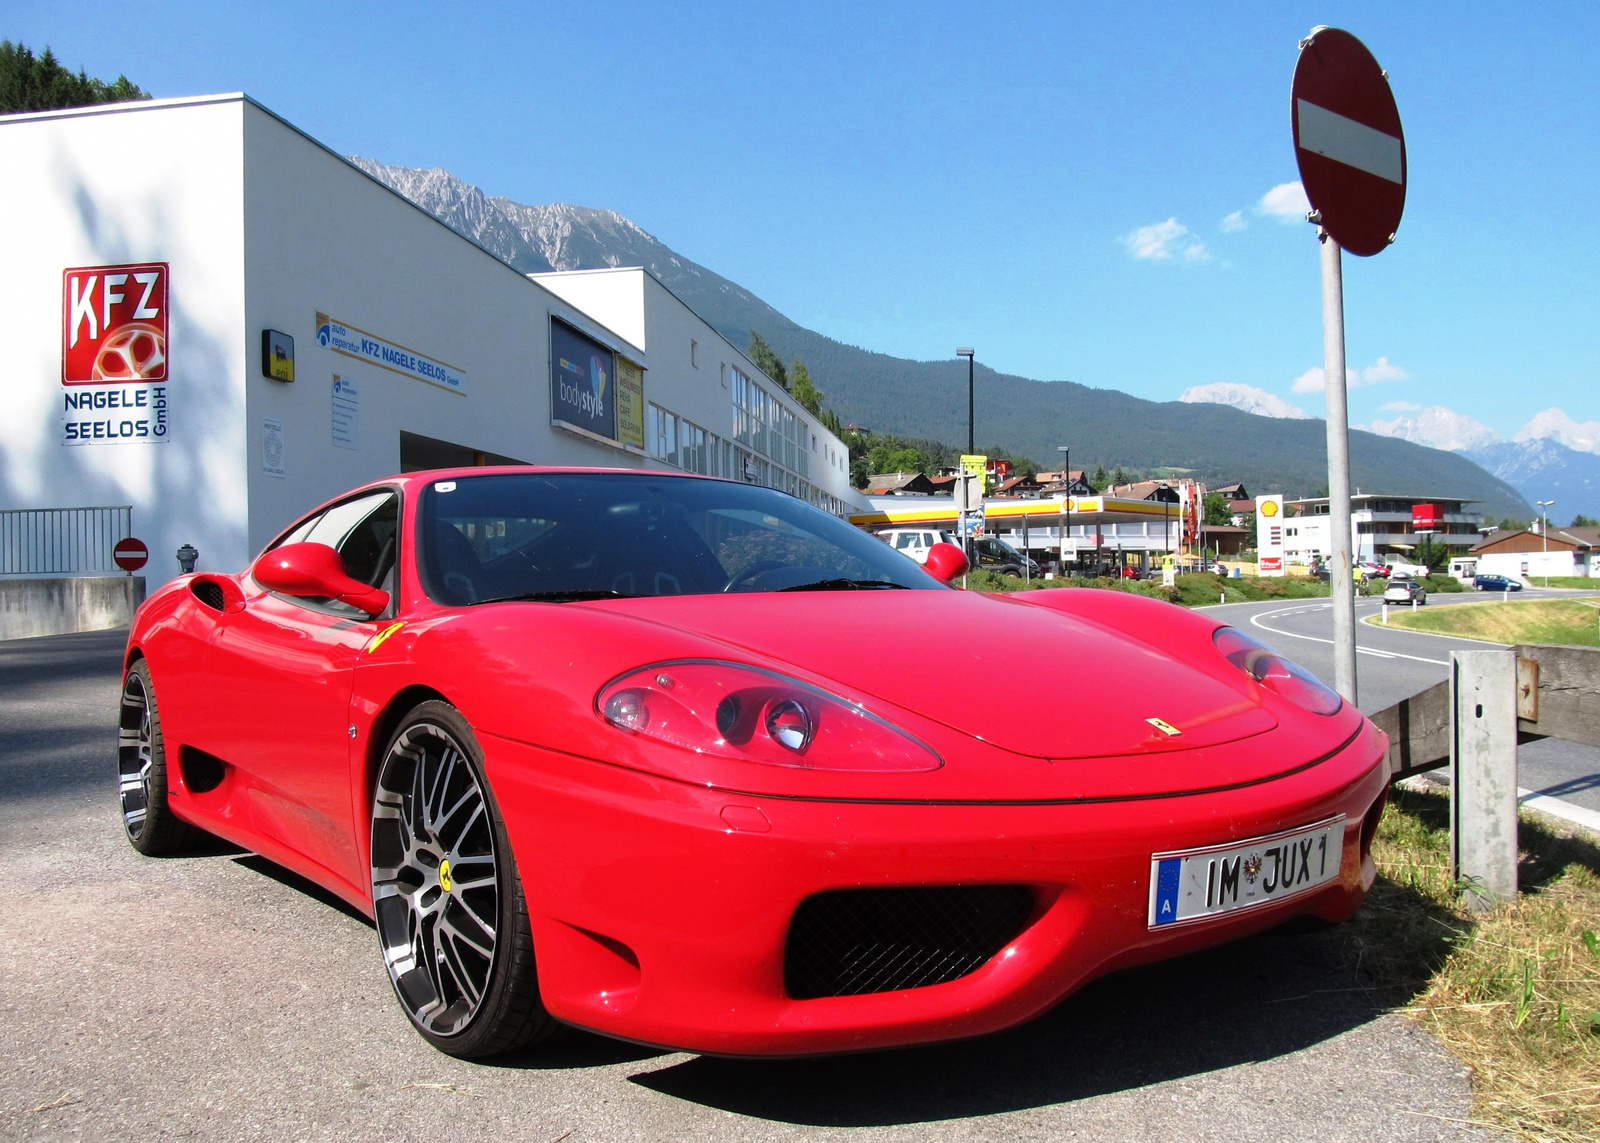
(1403, 590)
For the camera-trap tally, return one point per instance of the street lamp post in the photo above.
(1066, 503)
(967, 352)
(1544, 530)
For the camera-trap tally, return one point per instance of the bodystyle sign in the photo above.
(114, 353)
(582, 382)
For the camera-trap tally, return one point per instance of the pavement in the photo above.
(1392, 664)
(215, 996)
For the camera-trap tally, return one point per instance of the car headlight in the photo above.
(729, 710)
(1279, 675)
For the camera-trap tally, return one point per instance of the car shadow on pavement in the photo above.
(258, 864)
(1254, 1000)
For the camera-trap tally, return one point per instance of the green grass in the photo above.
(1513, 993)
(1575, 622)
(1583, 583)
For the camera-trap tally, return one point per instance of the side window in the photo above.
(904, 540)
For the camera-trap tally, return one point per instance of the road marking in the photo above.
(1255, 621)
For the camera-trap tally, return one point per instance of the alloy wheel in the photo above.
(435, 878)
(135, 754)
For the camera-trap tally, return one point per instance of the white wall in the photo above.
(148, 182)
(323, 236)
(1537, 564)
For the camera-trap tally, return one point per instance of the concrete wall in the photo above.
(143, 182)
(62, 605)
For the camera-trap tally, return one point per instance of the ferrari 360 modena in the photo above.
(696, 764)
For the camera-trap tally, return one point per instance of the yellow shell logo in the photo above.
(1269, 507)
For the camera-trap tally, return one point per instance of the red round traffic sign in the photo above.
(1348, 141)
(130, 554)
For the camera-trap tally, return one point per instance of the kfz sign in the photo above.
(114, 324)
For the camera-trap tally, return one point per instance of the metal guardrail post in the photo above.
(1483, 775)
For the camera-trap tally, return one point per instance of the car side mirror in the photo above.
(315, 569)
(946, 561)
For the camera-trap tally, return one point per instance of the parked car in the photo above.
(1366, 569)
(992, 554)
(916, 542)
(696, 764)
(1490, 581)
(1404, 589)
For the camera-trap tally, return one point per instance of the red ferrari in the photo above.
(693, 763)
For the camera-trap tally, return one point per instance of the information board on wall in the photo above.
(346, 413)
(582, 383)
(630, 404)
(1269, 535)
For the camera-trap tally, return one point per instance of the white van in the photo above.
(915, 542)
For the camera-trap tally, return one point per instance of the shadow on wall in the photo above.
(188, 489)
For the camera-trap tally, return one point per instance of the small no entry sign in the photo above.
(1348, 141)
(130, 554)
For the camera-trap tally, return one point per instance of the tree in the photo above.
(1507, 524)
(803, 389)
(1431, 554)
(1118, 478)
(767, 361)
(1100, 478)
(1582, 521)
(40, 83)
(1217, 510)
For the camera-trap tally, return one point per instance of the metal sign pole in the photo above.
(1341, 582)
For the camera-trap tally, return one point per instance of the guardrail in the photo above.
(62, 541)
(1473, 722)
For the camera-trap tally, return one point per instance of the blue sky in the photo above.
(912, 177)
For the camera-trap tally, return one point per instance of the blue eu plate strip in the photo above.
(1167, 890)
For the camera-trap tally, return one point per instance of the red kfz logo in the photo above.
(114, 323)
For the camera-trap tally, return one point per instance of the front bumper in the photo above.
(660, 910)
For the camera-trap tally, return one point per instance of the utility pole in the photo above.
(1544, 528)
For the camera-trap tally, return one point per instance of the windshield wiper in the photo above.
(560, 596)
(844, 585)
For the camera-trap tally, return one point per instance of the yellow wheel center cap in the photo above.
(444, 875)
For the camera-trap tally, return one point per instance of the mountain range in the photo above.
(927, 399)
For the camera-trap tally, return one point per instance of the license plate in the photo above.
(1193, 884)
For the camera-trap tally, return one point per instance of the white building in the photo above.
(144, 303)
(1383, 529)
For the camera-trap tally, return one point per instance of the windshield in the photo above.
(568, 536)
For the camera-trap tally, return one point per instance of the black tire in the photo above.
(470, 991)
(142, 774)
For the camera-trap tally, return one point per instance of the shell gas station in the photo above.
(1088, 535)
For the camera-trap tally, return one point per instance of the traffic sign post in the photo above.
(1351, 152)
(130, 554)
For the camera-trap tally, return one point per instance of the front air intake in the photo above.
(849, 942)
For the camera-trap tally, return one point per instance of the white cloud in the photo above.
(1379, 371)
(1161, 240)
(1286, 202)
(1245, 397)
(1235, 221)
(1553, 423)
(1436, 427)
(1400, 407)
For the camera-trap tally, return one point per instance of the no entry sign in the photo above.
(130, 554)
(1348, 141)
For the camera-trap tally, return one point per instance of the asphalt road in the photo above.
(215, 996)
(1392, 664)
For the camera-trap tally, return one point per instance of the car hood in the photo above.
(1027, 679)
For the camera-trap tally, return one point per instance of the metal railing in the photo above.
(61, 541)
